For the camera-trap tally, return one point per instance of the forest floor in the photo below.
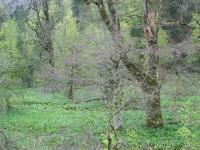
(41, 120)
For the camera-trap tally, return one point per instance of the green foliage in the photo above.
(133, 138)
(162, 38)
(41, 114)
(15, 59)
(65, 37)
(195, 24)
(66, 32)
(134, 10)
(9, 53)
(52, 117)
(189, 121)
(178, 10)
(8, 42)
(71, 28)
(140, 43)
(9, 59)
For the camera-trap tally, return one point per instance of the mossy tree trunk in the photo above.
(153, 109)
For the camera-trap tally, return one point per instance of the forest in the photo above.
(99, 75)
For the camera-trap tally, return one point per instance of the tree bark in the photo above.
(47, 32)
(153, 109)
(71, 93)
(71, 86)
(8, 106)
(118, 117)
(50, 50)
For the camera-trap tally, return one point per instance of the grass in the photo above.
(54, 120)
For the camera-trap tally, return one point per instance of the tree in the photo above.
(66, 37)
(44, 25)
(154, 115)
(10, 59)
(29, 66)
(149, 82)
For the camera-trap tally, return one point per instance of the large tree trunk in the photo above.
(153, 109)
(154, 115)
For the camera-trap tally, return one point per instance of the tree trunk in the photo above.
(71, 93)
(8, 106)
(153, 110)
(109, 141)
(50, 53)
(71, 87)
(118, 117)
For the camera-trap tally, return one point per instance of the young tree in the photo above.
(10, 59)
(66, 38)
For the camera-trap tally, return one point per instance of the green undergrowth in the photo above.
(53, 120)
